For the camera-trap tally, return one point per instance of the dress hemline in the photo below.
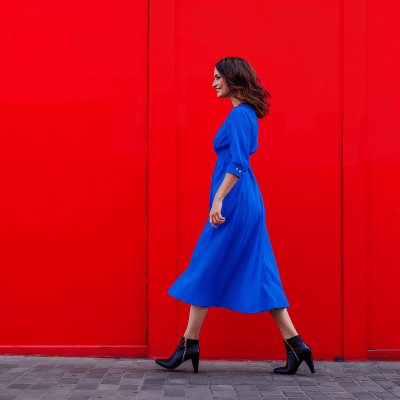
(195, 303)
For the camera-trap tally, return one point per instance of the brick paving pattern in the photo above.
(79, 378)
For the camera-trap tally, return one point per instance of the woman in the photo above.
(233, 265)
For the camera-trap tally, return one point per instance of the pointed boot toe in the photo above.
(163, 362)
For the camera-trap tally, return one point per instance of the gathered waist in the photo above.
(227, 159)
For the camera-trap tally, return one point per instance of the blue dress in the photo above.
(233, 266)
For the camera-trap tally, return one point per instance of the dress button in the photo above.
(240, 170)
(237, 169)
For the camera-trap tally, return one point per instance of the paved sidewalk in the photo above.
(106, 378)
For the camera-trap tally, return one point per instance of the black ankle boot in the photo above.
(296, 352)
(188, 349)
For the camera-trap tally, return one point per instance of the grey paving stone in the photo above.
(52, 396)
(334, 389)
(172, 393)
(361, 389)
(151, 388)
(174, 397)
(68, 380)
(244, 387)
(247, 393)
(223, 394)
(30, 396)
(106, 381)
(222, 387)
(12, 393)
(248, 398)
(18, 386)
(124, 387)
(37, 386)
(311, 389)
(87, 385)
(273, 398)
(267, 388)
(105, 393)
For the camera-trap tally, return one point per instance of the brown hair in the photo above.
(243, 81)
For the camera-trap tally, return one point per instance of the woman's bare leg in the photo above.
(281, 317)
(196, 318)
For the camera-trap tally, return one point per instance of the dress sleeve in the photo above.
(239, 132)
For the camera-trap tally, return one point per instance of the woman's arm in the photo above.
(226, 185)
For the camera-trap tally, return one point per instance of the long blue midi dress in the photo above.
(233, 266)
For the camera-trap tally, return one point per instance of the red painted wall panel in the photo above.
(383, 175)
(296, 48)
(73, 174)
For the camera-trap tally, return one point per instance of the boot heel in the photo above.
(195, 362)
(309, 361)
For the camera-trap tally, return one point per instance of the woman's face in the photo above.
(220, 84)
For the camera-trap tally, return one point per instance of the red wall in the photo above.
(297, 165)
(73, 177)
(383, 169)
(107, 119)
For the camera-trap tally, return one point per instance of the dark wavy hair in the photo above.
(243, 81)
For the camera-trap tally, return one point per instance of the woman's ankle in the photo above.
(290, 335)
(191, 336)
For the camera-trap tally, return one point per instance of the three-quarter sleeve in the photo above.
(239, 131)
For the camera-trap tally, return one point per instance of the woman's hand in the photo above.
(215, 213)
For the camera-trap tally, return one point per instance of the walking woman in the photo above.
(233, 265)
